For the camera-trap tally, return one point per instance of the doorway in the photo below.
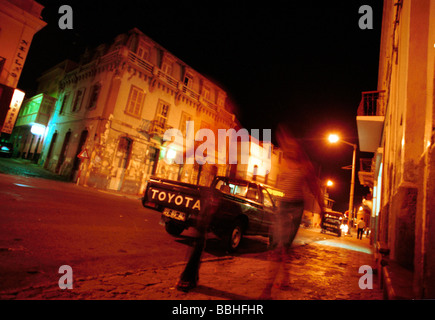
(77, 160)
(50, 150)
(121, 161)
(63, 152)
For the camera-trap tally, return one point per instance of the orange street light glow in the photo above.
(333, 138)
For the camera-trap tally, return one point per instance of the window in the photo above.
(252, 193)
(267, 201)
(143, 51)
(135, 101)
(206, 93)
(162, 114)
(167, 67)
(78, 99)
(221, 100)
(232, 187)
(93, 97)
(188, 80)
(184, 118)
(64, 101)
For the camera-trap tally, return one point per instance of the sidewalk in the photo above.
(28, 168)
(317, 272)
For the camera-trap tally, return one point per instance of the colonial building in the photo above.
(114, 107)
(32, 122)
(19, 21)
(396, 122)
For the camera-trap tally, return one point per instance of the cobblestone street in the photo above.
(319, 270)
(321, 267)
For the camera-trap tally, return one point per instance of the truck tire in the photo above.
(173, 229)
(235, 236)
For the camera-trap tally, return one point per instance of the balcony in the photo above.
(370, 120)
(37, 109)
(365, 173)
(156, 128)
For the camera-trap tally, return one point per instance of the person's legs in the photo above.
(189, 277)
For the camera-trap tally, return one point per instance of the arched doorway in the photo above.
(76, 164)
(63, 152)
(50, 150)
(121, 161)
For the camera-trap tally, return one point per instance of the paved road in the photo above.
(118, 250)
(46, 224)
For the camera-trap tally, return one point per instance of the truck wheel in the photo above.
(235, 236)
(173, 229)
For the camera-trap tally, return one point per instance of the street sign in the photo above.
(83, 154)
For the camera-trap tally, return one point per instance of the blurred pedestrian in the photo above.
(296, 177)
(361, 226)
(209, 204)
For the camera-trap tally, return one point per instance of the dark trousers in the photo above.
(360, 233)
(208, 208)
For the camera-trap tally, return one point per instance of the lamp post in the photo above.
(333, 138)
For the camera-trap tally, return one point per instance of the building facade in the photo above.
(35, 113)
(396, 122)
(19, 21)
(114, 107)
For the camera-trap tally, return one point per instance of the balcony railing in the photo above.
(366, 165)
(371, 104)
(133, 58)
(156, 128)
(366, 172)
(167, 78)
(147, 66)
(189, 92)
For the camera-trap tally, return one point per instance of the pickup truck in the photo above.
(332, 221)
(243, 207)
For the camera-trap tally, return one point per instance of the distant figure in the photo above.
(361, 227)
(296, 173)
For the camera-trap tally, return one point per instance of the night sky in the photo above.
(304, 63)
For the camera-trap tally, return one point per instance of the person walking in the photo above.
(295, 177)
(209, 205)
(361, 227)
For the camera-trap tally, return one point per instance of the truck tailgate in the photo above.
(176, 195)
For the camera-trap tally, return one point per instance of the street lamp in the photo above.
(333, 138)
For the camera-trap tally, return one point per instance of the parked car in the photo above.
(6, 149)
(244, 207)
